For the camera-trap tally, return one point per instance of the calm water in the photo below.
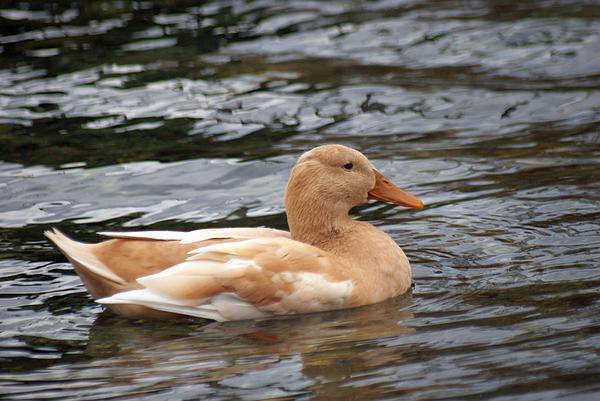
(183, 115)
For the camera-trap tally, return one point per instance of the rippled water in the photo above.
(183, 115)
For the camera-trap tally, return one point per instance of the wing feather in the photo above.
(188, 237)
(155, 235)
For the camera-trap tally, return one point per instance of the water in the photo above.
(184, 115)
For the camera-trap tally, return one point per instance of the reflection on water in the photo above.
(180, 115)
(248, 360)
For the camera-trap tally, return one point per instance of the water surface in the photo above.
(183, 115)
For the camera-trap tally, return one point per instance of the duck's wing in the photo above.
(245, 280)
(113, 266)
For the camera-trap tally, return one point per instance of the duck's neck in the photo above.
(317, 227)
(316, 221)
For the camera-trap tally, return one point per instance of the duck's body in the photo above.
(327, 260)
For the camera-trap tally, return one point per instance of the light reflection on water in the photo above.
(178, 115)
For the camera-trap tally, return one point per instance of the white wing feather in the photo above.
(188, 237)
(222, 307)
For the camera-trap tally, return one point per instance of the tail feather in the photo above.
(82, 255)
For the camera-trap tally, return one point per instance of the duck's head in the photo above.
(337, 177)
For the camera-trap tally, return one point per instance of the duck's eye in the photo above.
(348, 166)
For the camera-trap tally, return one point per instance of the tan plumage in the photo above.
(327, 260)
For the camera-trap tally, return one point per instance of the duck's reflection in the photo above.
(269, 358)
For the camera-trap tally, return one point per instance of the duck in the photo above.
(326, 261)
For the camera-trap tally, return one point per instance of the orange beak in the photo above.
(385, 191)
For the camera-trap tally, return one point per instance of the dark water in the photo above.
(183, 115)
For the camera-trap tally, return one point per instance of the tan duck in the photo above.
(327, 261)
